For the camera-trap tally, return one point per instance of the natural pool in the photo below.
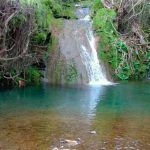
(36, 118)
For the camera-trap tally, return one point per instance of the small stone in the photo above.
(103, 148)
(105, 142)
(131, 147)
(92, 132)
(118, 148)
(125, 147)
(71, 143)
(55, 148)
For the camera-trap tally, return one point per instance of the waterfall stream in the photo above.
(77, 44)
(96, 73)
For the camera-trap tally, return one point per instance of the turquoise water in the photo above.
(38, 117)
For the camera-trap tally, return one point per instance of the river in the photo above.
(38, 117)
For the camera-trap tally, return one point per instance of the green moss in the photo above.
(72, 74)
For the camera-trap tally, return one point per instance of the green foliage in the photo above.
(60, 9)
(103, 18)
(40, 37)
(43, 16)
(18, 19)
(96, 6)
(46, 11)
(121, 46)
(124, 72)
(72, 74)
(114, 50)
(103, 23)
(140, 66)
(69, 12)
(32, 75)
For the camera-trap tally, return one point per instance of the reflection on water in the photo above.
(65, 100)
(38, 117)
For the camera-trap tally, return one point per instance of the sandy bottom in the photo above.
(43, 130)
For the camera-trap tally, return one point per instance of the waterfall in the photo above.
(78, 47)
(96, 72)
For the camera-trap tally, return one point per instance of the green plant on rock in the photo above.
(32, 75)
(72, 74)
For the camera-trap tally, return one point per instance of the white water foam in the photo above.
(96, 74)
(86, 18)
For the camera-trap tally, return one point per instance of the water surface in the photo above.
(36, 118)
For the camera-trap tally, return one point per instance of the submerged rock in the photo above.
(55, 148)
(62, 148)
(92, 132)
(71, 143)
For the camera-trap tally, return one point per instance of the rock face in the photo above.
(56, 67)
(70, 46)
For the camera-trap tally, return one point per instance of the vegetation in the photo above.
(26, 29)
(123, 27)
(72, 74)
(25, 36)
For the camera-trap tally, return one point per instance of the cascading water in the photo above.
(94, 69)
(77, 43)
(96, 73)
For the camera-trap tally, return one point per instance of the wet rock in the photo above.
(62, 148)
(92, 132)
(71, 143)
(55, 148)
(21, 83)
(105, 142)
(118, 148)
(129, 147)
(103, 148)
